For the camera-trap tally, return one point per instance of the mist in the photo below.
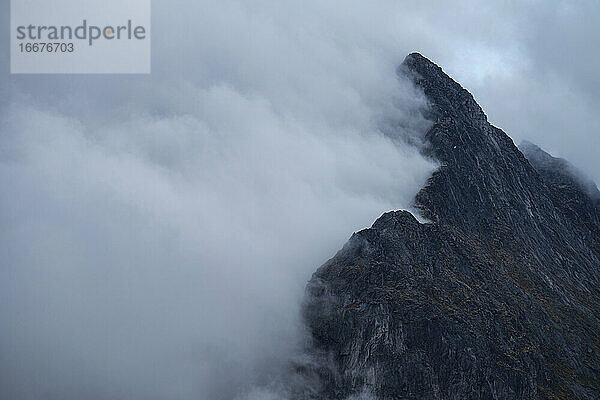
(157, 231)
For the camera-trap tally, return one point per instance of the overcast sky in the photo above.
(157, 231)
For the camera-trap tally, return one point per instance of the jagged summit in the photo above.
(497, 298)
(448, 96)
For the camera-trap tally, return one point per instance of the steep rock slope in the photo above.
(498, 297)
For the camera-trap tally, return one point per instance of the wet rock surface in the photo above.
(498, 297)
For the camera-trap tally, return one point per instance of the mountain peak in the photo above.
(497, 297)
(447, 97)
(417, 58)
(475, 155)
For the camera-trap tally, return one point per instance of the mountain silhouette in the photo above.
(495, 296)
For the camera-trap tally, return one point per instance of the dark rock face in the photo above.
(497, 298)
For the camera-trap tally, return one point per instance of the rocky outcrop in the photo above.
(497, 297)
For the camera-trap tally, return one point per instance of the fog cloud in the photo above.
(158, 231)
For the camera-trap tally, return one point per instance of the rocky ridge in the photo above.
(497, 297)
